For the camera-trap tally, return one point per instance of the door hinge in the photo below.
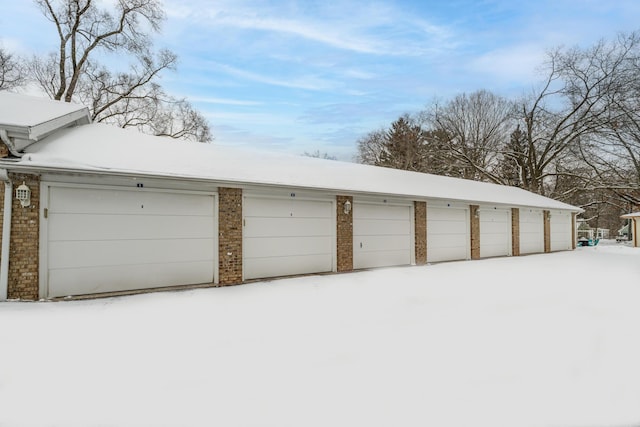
(46, 213)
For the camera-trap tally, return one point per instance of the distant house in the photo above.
(584, 231)
(635, 227)
(91, 209)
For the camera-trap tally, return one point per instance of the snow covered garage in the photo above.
(92, 209)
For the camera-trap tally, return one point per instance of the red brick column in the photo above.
(475, 231)
(230, 235)
(420, 227)
(24, 243)
(344, 234)
(515, 231)
(547, 230)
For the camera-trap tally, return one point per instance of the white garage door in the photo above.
(108, 239)
(531, 231)
(381, 235)
(560, 224)
(286, 236)
(495, 232)
(447, 233)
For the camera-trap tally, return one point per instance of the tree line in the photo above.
(574, 137)
(88, 30)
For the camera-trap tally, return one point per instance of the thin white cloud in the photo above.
(306, 82)
(376, 28)
(514, 64)
(223, 101)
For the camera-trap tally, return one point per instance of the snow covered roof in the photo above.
(104, 148)
(631, 215)
(26, 119)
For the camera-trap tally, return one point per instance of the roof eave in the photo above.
(4, 163)
(23, 136)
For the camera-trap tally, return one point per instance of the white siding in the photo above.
(448, 236)
(286, 236)
(111, 239)
(381, 235)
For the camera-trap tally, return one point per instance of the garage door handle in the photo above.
(360, 244)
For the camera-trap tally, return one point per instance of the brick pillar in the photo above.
(475, 231)
(230, 235)
(24, 242)
(547, 230)
(420, 227)
(344, 233)
(573, 230)
(515, 231)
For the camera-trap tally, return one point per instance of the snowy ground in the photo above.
(542, 340)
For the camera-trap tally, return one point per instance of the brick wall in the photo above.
(515, 231)
(344, 233)
(420, 221)
(547, 230)
(230, 235)
(475, 231)
(4, 151)
(24, 242)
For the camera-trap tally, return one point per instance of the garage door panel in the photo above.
(381, 258)
(82, 254)
(382, 243)
(381, 235)
(446, 227)
(287, 227)
(438, 241)
(560, 229)
(376, 211)
(292, 207)
(494, 228)
(531, 231)
(98, 238)
(367, 227)
(532, 228)
(92, 280)
(447, 233)
(288, 246)
(103, 227)
(286, 236)
(106, 201)
(278, 266)
(451, 215)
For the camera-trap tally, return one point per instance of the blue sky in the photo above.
(302, 76)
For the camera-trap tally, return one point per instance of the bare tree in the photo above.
(573, 105)
(85, 30)
(318, 155)
(370, 147)
(11, 71)
(475, 128)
